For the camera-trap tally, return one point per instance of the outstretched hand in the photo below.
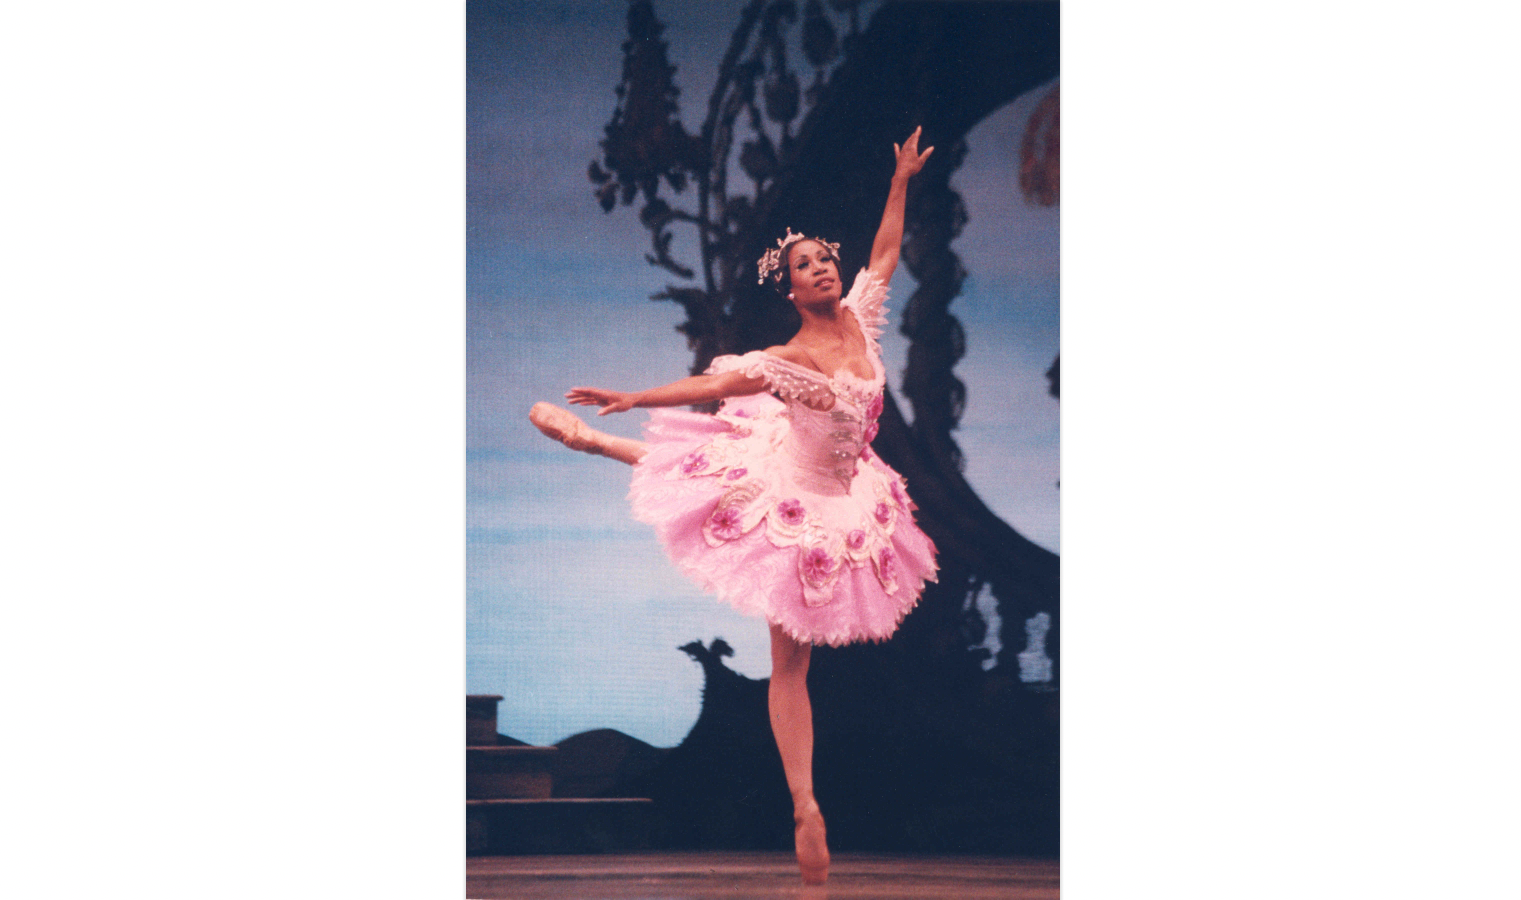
(610, 401)
(910, 160)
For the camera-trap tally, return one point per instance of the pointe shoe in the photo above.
(563, 426)
(812, 848)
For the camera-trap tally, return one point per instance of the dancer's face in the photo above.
(814, 274)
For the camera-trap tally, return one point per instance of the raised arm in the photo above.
(687, 391)
(884, 250)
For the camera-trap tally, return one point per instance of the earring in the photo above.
(791, 297)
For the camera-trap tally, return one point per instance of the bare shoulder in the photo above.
(854, 320)
(790, 352)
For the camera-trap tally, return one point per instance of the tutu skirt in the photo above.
(756, 505)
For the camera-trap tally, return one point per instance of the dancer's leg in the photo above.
(565, 427)
(792, 724)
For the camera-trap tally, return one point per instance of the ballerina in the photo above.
(777, 503)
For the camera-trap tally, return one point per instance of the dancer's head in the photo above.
(806, 270)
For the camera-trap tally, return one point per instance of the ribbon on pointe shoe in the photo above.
(812, 846)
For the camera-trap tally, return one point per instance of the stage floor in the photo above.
(741, 876)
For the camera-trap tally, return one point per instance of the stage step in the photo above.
(569, 825)
(480, 719)
(494, 773)
(510, 806)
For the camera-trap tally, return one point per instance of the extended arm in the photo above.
(686, 392)
(884, 250)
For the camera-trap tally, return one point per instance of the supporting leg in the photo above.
(563, 426)
(792, 724)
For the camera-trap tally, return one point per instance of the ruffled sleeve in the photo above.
(791, 381)
(866, 298)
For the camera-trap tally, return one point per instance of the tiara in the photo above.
(771, 262)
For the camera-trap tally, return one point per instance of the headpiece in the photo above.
(774, 261)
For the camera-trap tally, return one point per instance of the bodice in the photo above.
(825, 445)
(832, 418)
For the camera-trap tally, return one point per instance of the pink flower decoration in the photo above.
(871, 432)
(856, 539)
(875, 409)
(886, 561)
(899, 497)
(725, 523)
(737, 474)
(817, 566)
(695, 462)
(884, 512)
(791, 511)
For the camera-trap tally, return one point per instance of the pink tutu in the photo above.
(780, 507)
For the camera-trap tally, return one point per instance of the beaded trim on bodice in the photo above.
(811, 388)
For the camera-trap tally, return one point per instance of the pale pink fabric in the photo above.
(780, 507)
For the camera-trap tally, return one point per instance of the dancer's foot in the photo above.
(812, 848)
(563, 426)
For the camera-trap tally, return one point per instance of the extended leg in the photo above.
(792, 724)
(565, 427)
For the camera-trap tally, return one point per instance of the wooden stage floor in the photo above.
(762, 876)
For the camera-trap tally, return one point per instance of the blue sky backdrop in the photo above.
(573, 612)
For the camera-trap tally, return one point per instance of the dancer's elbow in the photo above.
(736, 384)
